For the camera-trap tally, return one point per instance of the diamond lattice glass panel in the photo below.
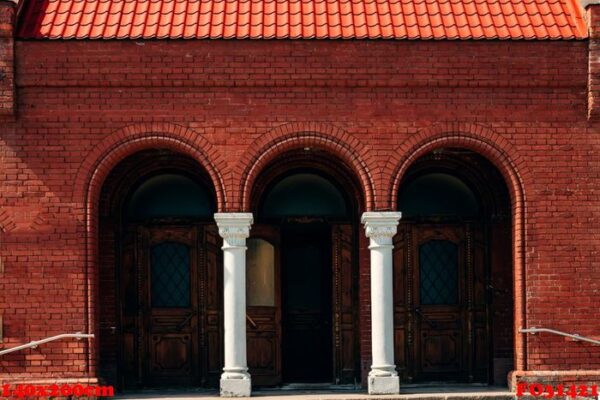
(170, 265)
(438, 261)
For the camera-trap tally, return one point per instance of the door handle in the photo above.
(185, 321)
(424, 318)
(251, 321)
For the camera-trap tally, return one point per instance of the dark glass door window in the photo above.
(170, 270)
(438, 262)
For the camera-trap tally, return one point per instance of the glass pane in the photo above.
(438, 262)
(437, 194)
(304, 195)
(260, 271)
(169, 195)
(170, 270)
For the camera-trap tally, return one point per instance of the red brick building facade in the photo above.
(86, 122)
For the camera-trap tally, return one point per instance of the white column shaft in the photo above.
(380, 228)
(234, 311)
(382, 331)
(234, 228)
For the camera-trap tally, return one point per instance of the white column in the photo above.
(380, 229)
(234, 228)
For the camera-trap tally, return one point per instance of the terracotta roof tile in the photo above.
(302, 19)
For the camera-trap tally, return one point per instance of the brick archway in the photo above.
(299, 136)
(507, 160)
(95, 169)
(100, 161)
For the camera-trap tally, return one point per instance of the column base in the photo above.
(384, 384)
(236, 387)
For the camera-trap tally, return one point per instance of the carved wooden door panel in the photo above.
(344, 312)
(263, 300)
(168, 259)
(440, 302)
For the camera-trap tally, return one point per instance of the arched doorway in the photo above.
(159, 277)
(303, 253)
(453, 271)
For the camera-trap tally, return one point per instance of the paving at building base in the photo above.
(409, 392)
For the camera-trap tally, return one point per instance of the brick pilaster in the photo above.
(7, 75)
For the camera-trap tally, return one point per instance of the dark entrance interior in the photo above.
(306, 303)
(302, 274)
(453, 271)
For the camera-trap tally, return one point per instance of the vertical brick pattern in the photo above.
(85, 105)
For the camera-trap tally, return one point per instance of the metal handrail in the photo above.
(36, 343)
(565, 334)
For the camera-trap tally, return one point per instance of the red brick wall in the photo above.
(84, 105)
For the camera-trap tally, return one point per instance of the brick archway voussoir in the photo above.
(133, 138)
(297, 135)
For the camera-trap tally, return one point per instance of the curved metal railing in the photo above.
(573, 336)
(35, 343)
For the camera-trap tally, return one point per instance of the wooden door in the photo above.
(263, 301)
(171, 305)
(438, 304)
(441, 311)
(168, 259)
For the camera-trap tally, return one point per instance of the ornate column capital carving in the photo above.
(381, 226)
(234, 228)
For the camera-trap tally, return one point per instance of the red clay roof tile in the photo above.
(302, 19)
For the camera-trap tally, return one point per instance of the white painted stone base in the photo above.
(236, 387)
(384, 384)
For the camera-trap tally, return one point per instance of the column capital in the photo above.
(234, 228)
(381, 226)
